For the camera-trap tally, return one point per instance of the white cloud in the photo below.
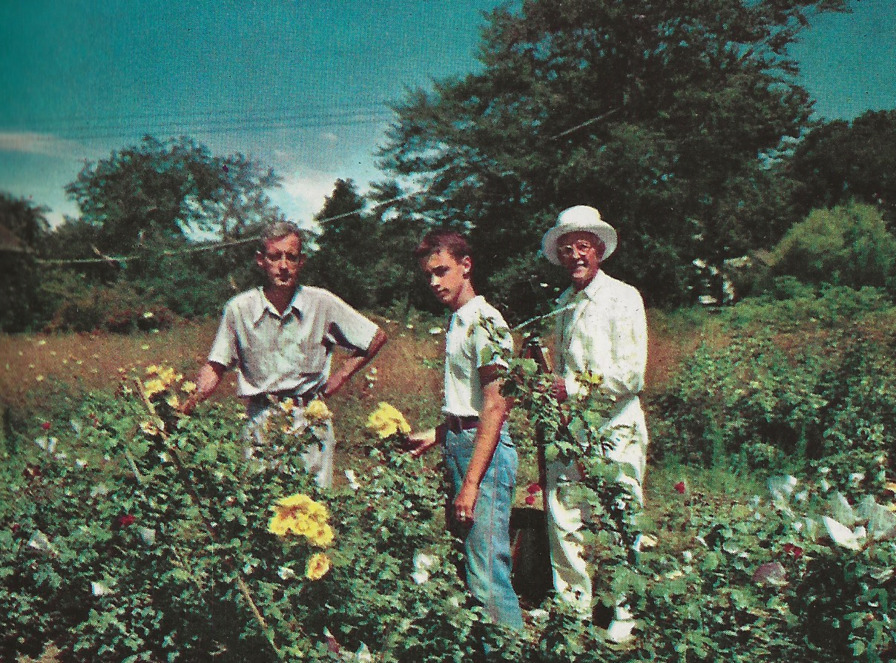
(330, 137)
(31, 142)
(302, 194)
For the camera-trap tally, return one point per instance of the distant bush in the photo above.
(118, 308)
(846, 245)
(788, 303)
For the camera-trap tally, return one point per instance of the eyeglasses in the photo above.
(580, 247)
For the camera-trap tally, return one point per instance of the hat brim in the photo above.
(605, 233)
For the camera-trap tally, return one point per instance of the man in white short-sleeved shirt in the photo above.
(280, 338)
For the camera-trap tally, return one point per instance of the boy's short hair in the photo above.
(443, 240)
(278, 229)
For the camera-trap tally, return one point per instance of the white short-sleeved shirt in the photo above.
(290, 352)
(468, 346)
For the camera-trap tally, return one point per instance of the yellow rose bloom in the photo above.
(287, 405)
(151, 369)
(317, 411)
(168, 375)
(318, 566)
(173, 401)
(149, 428)
(322, 536)
(153, 387)
(188, 387)
(301, 516)
(386, 421)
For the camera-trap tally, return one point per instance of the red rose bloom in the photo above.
(791, 549)
(45, 425)
(126, 520)
(680, 487)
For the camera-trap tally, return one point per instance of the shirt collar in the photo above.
(260, 305)
(590, 291)
(468, 312)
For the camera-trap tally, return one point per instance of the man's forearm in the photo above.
(355, 363)
(206, 382)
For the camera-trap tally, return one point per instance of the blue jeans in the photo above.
(487, 540)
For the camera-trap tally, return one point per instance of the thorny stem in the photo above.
(194, 497)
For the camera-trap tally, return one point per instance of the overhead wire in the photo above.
(212, 246)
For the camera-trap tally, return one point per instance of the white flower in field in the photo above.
(100, 589)
(40, 542)
(687, 556)
(423, 563)
(352, 479)
(856, 478)
(435, 331)
(148, 535)
(286, 573)
(80, 463)
(48, 444)
(781, 487)
(841, 534)
(99, 489)
(363, 654)
(539, 614)
(854, 528)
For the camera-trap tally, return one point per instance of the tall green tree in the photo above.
(169, 189)
(663, 114)
(840, 161)
(345, 246)
(23, 231)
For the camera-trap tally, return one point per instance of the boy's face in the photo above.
(281, 261)
(448, 277)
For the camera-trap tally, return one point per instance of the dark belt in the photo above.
(280, 396)
(457, 424)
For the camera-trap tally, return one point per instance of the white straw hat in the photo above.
(580, 218)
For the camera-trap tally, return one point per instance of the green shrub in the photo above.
(785, 402)
(142, 539)
(846, 245)
(789, 304)
(115, 308)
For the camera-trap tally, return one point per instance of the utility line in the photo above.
(206, 247)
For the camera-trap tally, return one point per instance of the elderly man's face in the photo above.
(580, 253)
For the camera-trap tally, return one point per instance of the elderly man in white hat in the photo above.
(601, 330)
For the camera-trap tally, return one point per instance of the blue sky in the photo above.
(302, 85)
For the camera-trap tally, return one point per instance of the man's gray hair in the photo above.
(278, 229)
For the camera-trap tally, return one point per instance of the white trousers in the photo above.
(567, 517)
(317, 458)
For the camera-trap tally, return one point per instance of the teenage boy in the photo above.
(480, 459)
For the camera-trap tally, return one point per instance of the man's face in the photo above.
(282, 260)
(447, 276)
(580, 253)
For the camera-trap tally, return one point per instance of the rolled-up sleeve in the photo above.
(224, 348)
